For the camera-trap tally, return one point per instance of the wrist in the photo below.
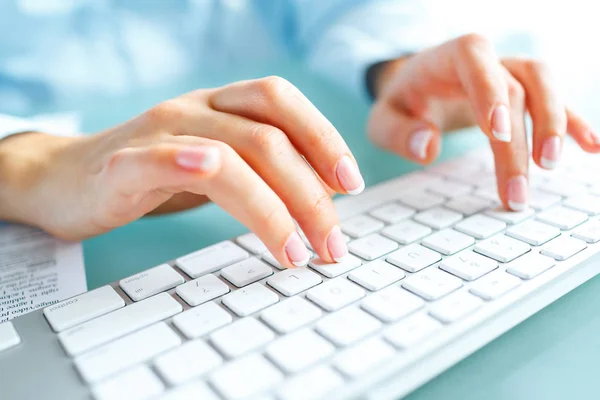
(25, 162)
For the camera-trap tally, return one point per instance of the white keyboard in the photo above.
(436, 271)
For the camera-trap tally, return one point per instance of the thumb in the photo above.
(395, 131)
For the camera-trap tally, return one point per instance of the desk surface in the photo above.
(552, 355)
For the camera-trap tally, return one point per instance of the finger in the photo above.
(547, 112)
(484, 81)
(579, 130)
(393, 130)
(225, 178)
(275, 101)
(512, 158)
(269, 151)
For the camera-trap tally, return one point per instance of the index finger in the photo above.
(277, 102)
(483, 79)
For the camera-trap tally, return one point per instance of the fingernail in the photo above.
(501, 123)
(419, 142)
(336, 244)
(595, 137)
(517, 193)
(296, 250)
(201, 158)
(550, 152)
(349, 176)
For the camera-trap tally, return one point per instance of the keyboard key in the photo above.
(331, 270)
(372, 246)
(530, 265)
(241, 337)
(588, 204)
(562, 217)
(335, 294)
(412, 330)
(191, 391)
(150, 282)
(291, 314)
(541, 200)
(449, 188)
(138, 383)
(448, 241)
(413, 258)
(82, 308)
(455, 307)
(489, 193)
(246, 377)
(361, 225)
(392, 303)
(533, 232)
(563, 248)
(494, 285)
(8, 336)
(187, 362)
(252, 243)
(126, 352)
(201, 290)
(250, 299)
(438, 217)
(421, 201)
(469, 204)
(246, 272)
(406, 232)
(480, 227)
(392, 213)
(468, 265)
(347, 326)
(590, 232)
(363, 357)
(299, 350)
(311, 385)
(376, 275)
(510, 217)
(211, 259)
(563, 187)
(201, 320)
(293, 281)
(268, 257)
(502, 248)
(118, 323)
(432, 283)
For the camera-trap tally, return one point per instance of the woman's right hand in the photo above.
(259, 149)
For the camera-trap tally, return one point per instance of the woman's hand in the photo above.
(259, 149)
(461, 83)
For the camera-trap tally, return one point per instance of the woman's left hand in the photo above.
(463, 82)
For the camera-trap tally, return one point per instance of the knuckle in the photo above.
(164, 113)
(272, 220)
(321, 205)
(273, 87)
(472, 40)
(323, 138)
(516, 91)
(267, 139)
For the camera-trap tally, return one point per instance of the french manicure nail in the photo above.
(595, 137)
(296, 250)
(517, 193)
(550, 152)
(200, 158)
(501, 123)
(349, 176)
(336, 244)
(419, 142)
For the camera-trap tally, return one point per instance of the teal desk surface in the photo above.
(552, 355)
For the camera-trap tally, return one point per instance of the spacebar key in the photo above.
(108, 327)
